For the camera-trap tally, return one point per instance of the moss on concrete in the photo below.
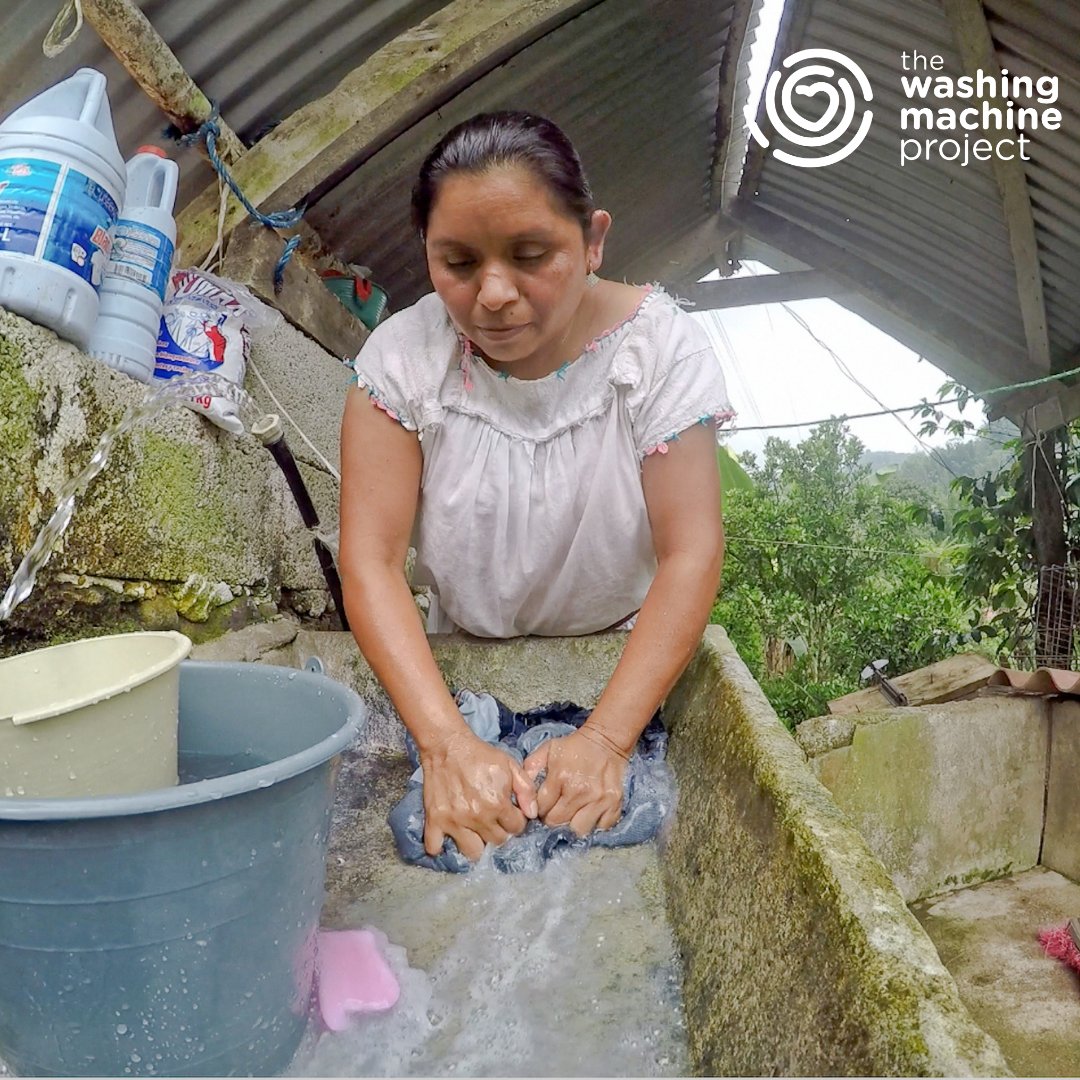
(169, 488)
(926, 787)
(20, 434)
(800, 955)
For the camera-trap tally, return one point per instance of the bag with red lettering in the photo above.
(206, 325)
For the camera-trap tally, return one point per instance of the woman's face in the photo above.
(509, 264)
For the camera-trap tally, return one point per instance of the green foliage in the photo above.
(827, 570)
(987, 521)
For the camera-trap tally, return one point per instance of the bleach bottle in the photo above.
(62, 183)
(133, 290)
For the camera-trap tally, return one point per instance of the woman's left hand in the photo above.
(583, 787)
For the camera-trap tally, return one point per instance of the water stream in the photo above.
(174, 392)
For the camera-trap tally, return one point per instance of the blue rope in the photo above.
(209, 131)
(286, 254)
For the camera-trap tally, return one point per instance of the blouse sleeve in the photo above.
(678, 382)
(395, 371)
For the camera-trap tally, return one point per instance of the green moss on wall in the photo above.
(20, 434)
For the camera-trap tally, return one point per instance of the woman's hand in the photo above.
(584, 783)
(467, 789)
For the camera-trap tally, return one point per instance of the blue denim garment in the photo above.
(646, 789)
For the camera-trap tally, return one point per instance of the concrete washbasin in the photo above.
(762, 936)
(972, 807)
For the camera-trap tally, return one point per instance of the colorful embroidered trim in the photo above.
(650, 290)
(716, 418)
(376, 399)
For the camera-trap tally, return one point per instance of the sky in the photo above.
(777, 374)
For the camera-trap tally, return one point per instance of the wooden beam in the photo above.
(968, 21)
(405, 80)
(1041, 408)
(947, 680)
(132, 38)
(305, 301)
(729, 140)
(761, 289)
(975, 357)
(789, 36)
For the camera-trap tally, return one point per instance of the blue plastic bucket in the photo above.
(172, 932)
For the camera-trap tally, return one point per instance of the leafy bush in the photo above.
(828, 570)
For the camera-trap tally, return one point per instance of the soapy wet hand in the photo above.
(582, 781)
(468, 785)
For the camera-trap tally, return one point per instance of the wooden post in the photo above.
(155, 67)
(305, 301)
(132, 38)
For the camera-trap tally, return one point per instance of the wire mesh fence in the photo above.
(1057, 614)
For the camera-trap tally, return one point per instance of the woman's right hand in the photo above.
(467, 789)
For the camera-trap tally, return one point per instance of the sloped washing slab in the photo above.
(797, 952)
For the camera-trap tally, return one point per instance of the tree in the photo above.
(827, 571)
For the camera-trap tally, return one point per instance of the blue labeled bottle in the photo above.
(137, 274)
(62, 182)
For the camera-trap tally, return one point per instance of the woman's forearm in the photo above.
(387, 627)
(661, 644)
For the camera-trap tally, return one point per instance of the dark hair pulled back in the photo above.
(506, 138)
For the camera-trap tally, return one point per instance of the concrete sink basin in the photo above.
(763, 936)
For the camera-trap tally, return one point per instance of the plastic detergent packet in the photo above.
(206, 325)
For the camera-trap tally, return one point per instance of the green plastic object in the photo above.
(172, 932)
(366, 300)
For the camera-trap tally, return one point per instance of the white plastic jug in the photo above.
(133, 291)
(62, 183)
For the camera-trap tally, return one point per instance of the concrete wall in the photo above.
(801, 956)
(1061, 842)
(946, 795)
(188, 526)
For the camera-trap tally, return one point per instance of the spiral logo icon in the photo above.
(842, 97)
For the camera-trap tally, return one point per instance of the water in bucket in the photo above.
(62, 182)
(133, 292)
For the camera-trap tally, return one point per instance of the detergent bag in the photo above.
(206, 325)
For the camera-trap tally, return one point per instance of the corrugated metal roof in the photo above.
(939, 228)
(1030, 39)
(259, 59)
(634, 82)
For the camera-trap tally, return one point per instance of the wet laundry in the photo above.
(647, 792)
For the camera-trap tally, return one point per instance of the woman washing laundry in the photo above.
(547, 441)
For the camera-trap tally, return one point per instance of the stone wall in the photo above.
(188, 526)
(946, 795)
(1061, 844)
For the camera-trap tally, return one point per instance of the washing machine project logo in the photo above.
(843, 85)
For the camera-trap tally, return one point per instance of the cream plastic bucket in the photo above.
(92, 717)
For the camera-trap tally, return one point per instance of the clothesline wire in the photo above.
(765, 542)
(844, 417)
(848, 374)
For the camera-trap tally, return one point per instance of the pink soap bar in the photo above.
(352, 977)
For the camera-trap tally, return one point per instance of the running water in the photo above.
(572, 971)
(174, 392)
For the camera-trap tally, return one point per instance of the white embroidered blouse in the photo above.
(532, 518)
